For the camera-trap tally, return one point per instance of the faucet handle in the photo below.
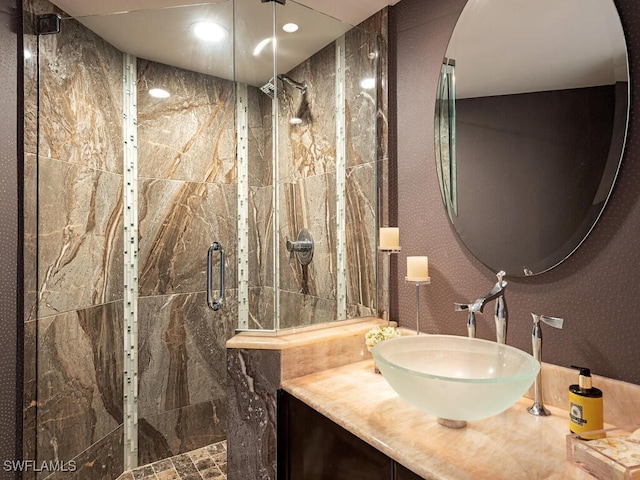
(290, 248)
(555, 322)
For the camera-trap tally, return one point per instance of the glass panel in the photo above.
(255, 67)
(79, 326)
(174, 193)
(445, 135)
(538, 146)
(132, 189)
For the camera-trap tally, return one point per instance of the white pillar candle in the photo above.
(389, 238)
(417, 269)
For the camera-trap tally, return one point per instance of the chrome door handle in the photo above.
(215, 305)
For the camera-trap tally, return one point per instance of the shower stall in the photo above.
(142, 211)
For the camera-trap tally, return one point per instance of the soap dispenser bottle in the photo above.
(585, 405)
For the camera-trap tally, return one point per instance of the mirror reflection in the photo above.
(530, 126)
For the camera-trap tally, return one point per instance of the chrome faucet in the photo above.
(500, 312)
(471, 317)
(536, 339)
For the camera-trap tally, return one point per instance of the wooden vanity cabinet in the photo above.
(312, 447)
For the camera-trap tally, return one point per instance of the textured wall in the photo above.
(10, 230)
(594, 290)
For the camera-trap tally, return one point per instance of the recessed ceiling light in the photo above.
(27, 54)
(295, 121)
(209, 31)
(368, 83)
(290, 27)
(159, 93)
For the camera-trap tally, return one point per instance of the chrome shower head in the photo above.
(271, 87)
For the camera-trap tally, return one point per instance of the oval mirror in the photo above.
(531, 120)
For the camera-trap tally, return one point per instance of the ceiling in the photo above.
(517, 46)
(160, 30)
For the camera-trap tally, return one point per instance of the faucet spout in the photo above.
(471, 317)
(500, 314)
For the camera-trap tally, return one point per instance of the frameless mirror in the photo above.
(531, 120)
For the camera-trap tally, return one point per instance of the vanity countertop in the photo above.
(513, 445)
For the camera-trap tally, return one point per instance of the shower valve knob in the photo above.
(302, 247)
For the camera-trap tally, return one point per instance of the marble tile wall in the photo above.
(386, 204)
(307, 183)
(187, 199)
(260, 200)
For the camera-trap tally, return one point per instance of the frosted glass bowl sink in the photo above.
(455, 378)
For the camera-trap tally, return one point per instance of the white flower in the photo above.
(377, 334)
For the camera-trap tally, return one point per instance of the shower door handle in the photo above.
(215, 305)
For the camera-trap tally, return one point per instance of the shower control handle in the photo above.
(302, 247)
(215, 305)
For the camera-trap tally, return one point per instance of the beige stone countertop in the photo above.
(513, 445)
(307, 335)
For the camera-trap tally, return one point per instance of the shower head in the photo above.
(270, 88)
(299, 85)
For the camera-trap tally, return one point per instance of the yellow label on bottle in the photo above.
(585, 414)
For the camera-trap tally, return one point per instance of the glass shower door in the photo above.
(132, 190)
(77, 211)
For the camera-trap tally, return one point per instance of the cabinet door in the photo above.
(403, 473)
(312, 447)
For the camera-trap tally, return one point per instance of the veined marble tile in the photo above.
(309, 203)
(298, 310)
(182, 350)
(261, 308)
(30, 87)
(102, 460)
(178, 222)
(356, 310)
(378, 25)
(81, 235)
(80, 362)
(260, 204)
(181, 430)
(361, 103)
(260, 138)
(30, 253)
(81, 98)
(360, 221)
(191, 135)
(29, 417)
(253, 378)
(309, 148)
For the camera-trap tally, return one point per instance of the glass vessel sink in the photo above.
(455, 378)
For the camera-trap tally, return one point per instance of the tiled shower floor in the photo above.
(209, 463)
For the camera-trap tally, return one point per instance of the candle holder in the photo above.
(389, 252)
(418, 283)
